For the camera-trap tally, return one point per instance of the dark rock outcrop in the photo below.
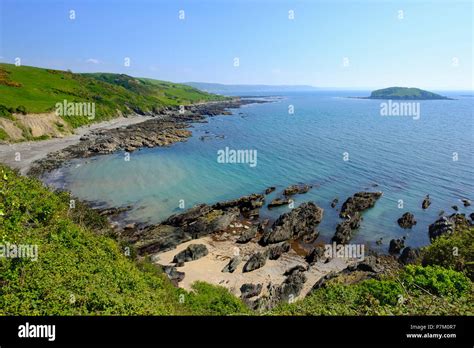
(247, 235)
(407, 220)
(269, 190)
(250, 290)
(255, 261)
(232, 265)
(396, 245)
(426, 202)
(278, 202)
(191, 253)
(344, 229)
(294, 224)
(409, 256)
(440, 227)
(275, 251)
(173, 274)
(334, 202)
(359, 202)
(466, 202)
(296, 189)
(316, 255)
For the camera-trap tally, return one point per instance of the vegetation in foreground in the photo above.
(82, 269)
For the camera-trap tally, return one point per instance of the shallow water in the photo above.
(405, 158)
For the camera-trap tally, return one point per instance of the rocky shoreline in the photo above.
(228, 243)
(167, 127)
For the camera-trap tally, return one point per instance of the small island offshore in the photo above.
(404, 93)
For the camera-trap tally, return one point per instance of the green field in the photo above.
(26, 89)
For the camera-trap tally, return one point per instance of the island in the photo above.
(405, 93)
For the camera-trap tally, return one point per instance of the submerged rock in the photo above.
(191, 253)
(294, 224)
(466, 202)
(269, 190)
(334, 202)
(407, 220)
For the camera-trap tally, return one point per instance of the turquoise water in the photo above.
(406, 158)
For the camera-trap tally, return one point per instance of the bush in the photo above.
(21, 110)
(436, 280)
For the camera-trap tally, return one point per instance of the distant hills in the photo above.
(223, 88)
(405, 93)
(31, 90)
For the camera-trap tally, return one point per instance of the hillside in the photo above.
(82, 268)
(79, 268)
(404, 93)
(29, 90)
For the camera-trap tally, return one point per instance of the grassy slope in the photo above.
(82, 269)
(38, 90)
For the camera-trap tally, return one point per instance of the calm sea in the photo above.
(340, 145)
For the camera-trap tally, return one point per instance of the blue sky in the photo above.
(430, 47)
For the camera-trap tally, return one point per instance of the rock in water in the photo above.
(426, 202)
(270, 190)
(278, 202)
(466, 202)
(294, 189)
(409, 256)
(407, 220)
(275, 251)
(191, 253)
(294, 224)
(344, 229)
(455, 207)
(359, 202)
(441, 226)
(256, 261)
(232, 265)
(396, 245)
(334, 202)
(472, 216)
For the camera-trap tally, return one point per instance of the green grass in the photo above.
(81, 271)
(36, 90)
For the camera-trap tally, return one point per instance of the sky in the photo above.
(338, 44)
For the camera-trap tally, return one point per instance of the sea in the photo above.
(339, 144)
